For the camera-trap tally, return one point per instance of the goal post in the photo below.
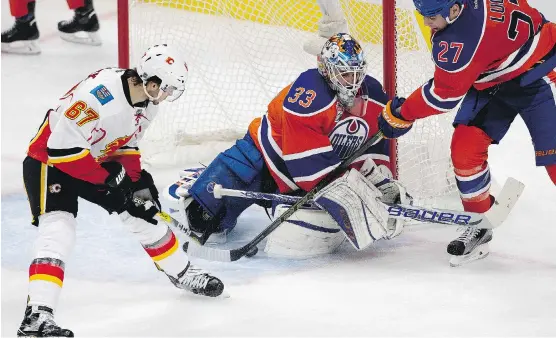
(241, 53)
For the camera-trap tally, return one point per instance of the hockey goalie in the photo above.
(311, 126)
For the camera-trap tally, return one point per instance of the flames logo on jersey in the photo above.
(348, 135)
(113, 146)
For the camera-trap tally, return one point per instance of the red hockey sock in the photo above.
(74, 4)
(18, 8)
(469, 156)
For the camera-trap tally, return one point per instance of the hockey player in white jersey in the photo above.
(87, 146)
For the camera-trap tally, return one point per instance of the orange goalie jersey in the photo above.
(491, 42)
(94, 122)
(306, 133)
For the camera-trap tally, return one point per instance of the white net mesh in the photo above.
(241, 53)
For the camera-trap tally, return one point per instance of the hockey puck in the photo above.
(252, 252)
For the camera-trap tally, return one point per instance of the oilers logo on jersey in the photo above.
(348, 135)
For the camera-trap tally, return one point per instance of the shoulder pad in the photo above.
(309, 94)
(453, 48)
(102, 94)
(373, 90)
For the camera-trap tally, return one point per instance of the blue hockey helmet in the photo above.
(434, 7)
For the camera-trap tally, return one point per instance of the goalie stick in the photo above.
(493, 218)
(223, 255)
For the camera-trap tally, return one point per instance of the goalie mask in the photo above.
(166, 64)
(342, 62)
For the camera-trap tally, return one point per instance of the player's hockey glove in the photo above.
(144, 189)
(120, 187)
(391, 122)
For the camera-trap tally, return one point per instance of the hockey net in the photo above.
(241, 53)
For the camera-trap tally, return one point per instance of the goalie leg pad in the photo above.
(307, 233)
(352, 201)
(392, 192)
(240, 167)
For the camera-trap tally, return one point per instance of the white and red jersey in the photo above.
(491, 42)
(306, 133)
(94, 122)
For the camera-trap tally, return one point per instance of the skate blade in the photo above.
(480, 252)
(91, 39)
(22, 47)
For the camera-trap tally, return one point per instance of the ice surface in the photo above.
(401, 287)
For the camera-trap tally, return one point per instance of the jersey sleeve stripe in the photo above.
(308, 166)
(57, 155)
(518, 59)
(310, 114)
(434, 101)
(316, 175)
(307, 153)
(273, 159)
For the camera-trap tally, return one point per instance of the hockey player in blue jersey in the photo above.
(498, 60)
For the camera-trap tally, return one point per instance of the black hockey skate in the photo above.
(471, 245)
(198, 281)
(39, 322)
(85, 21)
(22, 37)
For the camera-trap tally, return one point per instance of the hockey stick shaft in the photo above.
(408, 212)
(171, 220)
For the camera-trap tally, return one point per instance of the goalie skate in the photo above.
(199, 282)
(22, 38)
(39, 322)
(470, 246)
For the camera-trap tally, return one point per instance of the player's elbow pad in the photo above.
(391, 122)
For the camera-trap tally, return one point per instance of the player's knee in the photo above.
(56, 235)
(551, 169)
(469, 148)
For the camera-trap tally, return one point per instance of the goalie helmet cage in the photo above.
(241, 53)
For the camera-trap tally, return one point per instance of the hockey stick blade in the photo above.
(491, 219)
(505, 202)
(235, 254)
